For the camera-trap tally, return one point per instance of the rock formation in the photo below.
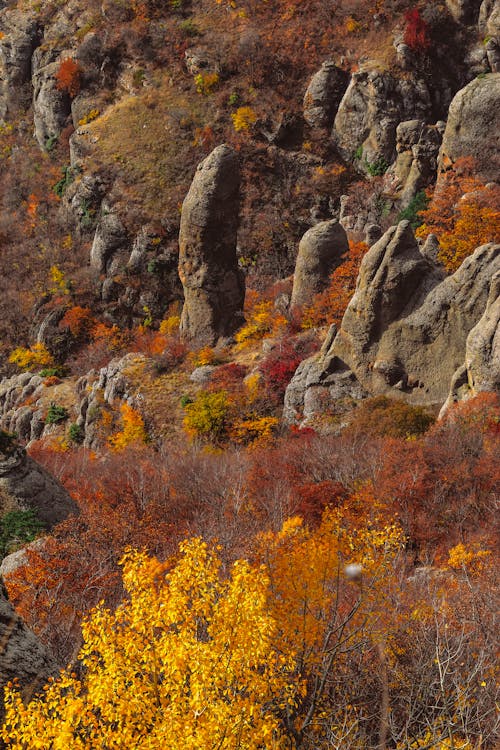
(481, 369)
(320, 252)
(371, 109)
(323, 95)
(417, 146)
(208, 267)
(51, 107)
(20, 36)
(110, 236)
(29, 485)
(473, 127)
(404, 332)
(22, 656)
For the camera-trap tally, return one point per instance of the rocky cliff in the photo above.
(405, 331)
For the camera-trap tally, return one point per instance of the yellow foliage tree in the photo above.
(463, 213)
(134, 430)
(332, 587)
(206, 416)
(243, 118)
(37, 356)
(186, 661)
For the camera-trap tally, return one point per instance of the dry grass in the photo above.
(146, 142)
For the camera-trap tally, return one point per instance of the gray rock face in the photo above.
(489, 17)
(464, 11)
(323, 95)
(481, 369)
(417, 146)
(473, 127)
(51, 107)
(110, 236)
(493, 54)
(22, 655)
(111, 383)
(371, 109)
(21, 35)
(320, 252)
(208, 268)
(405, 330)
(31, 486)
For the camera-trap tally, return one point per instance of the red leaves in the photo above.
(416, 34)
(68, 77)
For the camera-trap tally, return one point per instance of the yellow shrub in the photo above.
(243, 118)
(254, 429)
(170, 325)
(37, 356)
(206, 82)
(133, 430)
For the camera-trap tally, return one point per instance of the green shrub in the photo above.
(56, 414)
(50, 372)
(66, 179)
(16, 528)
(76, 433)
(410, 213)
(377, 168)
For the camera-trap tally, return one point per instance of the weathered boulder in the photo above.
(464, 11)
(22, 655)
(405, 330)
(493, 54)
(31, 486)
(481, 369)
(320, 252)
(51, 106)
(323, 95)
(417, 146)
(110, 237)
(489, 17)
(473, 127)
(374, 104)
(20, 36)
(208, 267)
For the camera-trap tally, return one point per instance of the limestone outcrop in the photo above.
(489, 18)
(473, 127)
(481, 369)
(51, 107)
(371, 109)
(29, 485)
(22, 656)
(208, 267)
(320, 252)
(20, 36)
(405, 330)
(417, 146)
(323, 95)
(109, 238)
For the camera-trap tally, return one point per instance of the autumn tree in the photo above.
(69, 76)
(186, 661)
(463, 214)
(329, 306)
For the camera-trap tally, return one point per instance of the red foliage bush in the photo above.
(416, 34)
(278, 368)
(69, 77)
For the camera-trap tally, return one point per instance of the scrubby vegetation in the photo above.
(232, 580)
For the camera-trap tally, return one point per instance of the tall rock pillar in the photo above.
(208, 268)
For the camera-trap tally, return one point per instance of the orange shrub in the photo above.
(463, 214)
(69, 76)
(329, 306)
